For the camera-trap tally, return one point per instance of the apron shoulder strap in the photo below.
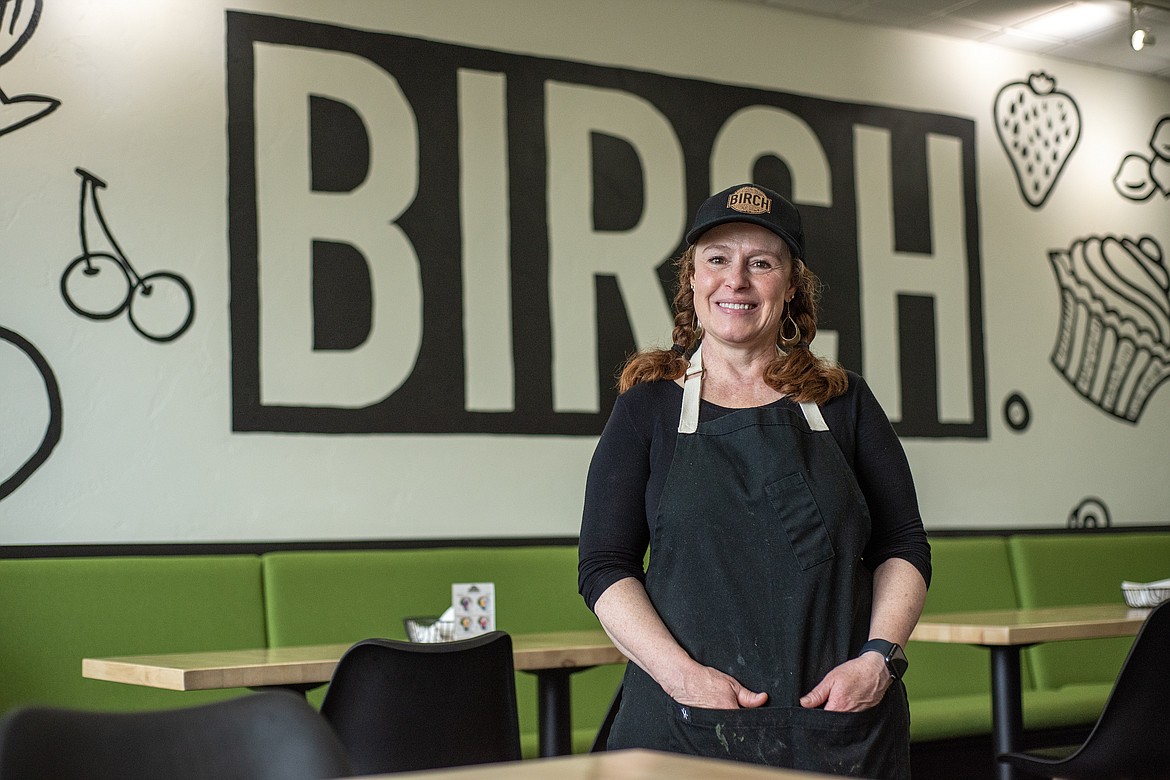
(688, 419)
(812, 415)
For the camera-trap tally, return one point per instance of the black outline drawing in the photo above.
(1017, 414)
(1039, 127)
(21, 110)
(94, 264)
(1111, 288)
(433, 397)
(52, 430)
(1138, 177)
(1090, 513)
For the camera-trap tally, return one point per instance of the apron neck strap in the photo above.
(688, 419)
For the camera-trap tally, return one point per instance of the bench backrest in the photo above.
(1083, 568)
(972, 573)
(56, 611)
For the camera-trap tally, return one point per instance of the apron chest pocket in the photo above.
(796, 507)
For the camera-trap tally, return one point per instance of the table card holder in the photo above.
(474, 608)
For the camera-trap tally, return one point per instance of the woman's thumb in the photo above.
(816, 697)
(750, 699)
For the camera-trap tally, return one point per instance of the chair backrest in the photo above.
(1132, 739)
(401, 706)
(273, 734)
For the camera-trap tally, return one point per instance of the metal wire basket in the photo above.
(429, 629)
(1145, 594)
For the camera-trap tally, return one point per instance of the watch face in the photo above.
(896, 660)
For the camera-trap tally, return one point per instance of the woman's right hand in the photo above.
(703, 686)
(636, 629)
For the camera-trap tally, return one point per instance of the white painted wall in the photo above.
(147, 451)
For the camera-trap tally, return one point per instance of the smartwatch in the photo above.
(892, 654)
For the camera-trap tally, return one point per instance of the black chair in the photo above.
(273, 734)
(400, 706)
(1131, 739)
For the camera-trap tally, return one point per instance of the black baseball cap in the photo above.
(755, 204)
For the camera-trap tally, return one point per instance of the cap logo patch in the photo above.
(749, 200)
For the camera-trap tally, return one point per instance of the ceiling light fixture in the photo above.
(1139, 37)
(1072, 21)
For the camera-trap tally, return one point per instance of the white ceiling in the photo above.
(999, 22)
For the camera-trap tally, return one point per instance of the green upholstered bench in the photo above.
(56, 611)
(343, 596)
(949, 686)
(1064, 684)
(1073, 679)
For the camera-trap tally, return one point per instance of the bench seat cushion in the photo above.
(949, 717)
(1072, 705)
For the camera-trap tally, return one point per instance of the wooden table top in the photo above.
(303, 665)
(614, 765)
(1030, 626)
(306, 665)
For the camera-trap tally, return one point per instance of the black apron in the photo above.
(755, 567)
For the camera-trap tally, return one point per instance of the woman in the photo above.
(788, 563)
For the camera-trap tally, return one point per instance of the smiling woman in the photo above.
(789, 563)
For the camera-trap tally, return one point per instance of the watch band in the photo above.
(892, 654)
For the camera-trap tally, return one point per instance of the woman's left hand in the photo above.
(855, 685)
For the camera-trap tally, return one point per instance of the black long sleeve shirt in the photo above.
(633, 457)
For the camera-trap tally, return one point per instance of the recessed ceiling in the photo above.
(1095, 32)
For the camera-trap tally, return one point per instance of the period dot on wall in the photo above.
(1016, 412)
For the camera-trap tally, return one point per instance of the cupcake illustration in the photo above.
(1113, 343)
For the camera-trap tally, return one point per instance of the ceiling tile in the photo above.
(988, 21)
(1006, 13)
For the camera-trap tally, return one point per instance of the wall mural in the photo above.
(433, 238)
(13, 474)
(1039, 127)
(1113, 344)
(592, 171)
(18, 21)
(1113, 341)
(1017, 413)
(1089, 514)
(101, 285)
(1140, 176)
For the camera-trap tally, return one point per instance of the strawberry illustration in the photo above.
(1039, 126)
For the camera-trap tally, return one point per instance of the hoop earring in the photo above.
(796, 330)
